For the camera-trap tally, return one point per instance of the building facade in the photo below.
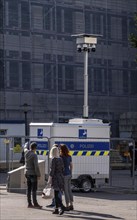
(40, 65)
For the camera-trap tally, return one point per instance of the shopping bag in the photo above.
(48, 193)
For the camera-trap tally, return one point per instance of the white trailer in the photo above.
(88, 142)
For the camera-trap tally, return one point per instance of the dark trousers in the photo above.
(31, 189)
(58, 200)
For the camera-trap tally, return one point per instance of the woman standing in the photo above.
(56, 178)
(67, 160)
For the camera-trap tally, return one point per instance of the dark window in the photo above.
(47, 56)
(87, 22)
(124, 29)
(48, 76)
(1, 16)
(1, 74)
(133, 77)
(14, 74)
(47, 17)
(97, 80)
(26, 75)
(60, 78)
(68, 58)
(59, 20)
(69, 78)
(13, 13)
(125, 64)
(25, 55)
(125, 82)
(96, 23)
(68, 20)
(13, 54)
(59, 57)
(25, 17)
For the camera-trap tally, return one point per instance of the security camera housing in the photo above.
(93, 48)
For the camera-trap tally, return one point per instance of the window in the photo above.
(14, 74)
(13, 13)
(133, 77)
(1, 74)
(68, 58)
(13, 54)
(25, 17)
(68, 20)
(26, 75)
(87, 22)
(125, 82)
(48, 76)
(96, 23)
(47, 17)
(59, 20)
(69, 78)
(97, 80)
(25, 55)
(60, 78)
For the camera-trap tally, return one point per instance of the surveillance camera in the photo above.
(85, 47)
(93, 48)
(79, 49)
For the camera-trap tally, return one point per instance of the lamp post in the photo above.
(85, 43)
(25, 110)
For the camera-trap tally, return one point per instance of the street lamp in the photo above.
(25, 110)
(86, 43)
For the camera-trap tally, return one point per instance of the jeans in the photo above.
(58, 199)
(67, 189)
(31, 188)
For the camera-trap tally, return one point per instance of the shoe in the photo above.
(50, 206)
(30, 206)
(56, 211)
(37, 206)
(66, 208)
(71, 207)
(61, 211)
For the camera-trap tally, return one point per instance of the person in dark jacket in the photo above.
(133, 160)
(67, 160)
(32, 174)
(56, 179)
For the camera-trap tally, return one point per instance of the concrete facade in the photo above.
(40, 66)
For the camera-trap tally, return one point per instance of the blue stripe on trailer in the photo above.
(86, 146)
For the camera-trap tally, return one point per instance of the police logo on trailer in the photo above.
(40, 132)
(82, 133)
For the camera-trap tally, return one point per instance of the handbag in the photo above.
(48, 193)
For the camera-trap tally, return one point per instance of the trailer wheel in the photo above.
(86, 185)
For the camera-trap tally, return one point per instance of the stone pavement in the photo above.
(91, 206)
(106, 204)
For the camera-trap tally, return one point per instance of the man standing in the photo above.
(32, 174)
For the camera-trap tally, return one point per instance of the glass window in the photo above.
(25, 55)
(69, 78)
(60, 78)
(48, 76)
(125, 81)
(13, 13)
(25, 17)
(68, 20)
(96, 23)
(13, 54)
(133, 77)
(14, 74)
(97, 80)
(47, 17)
(59, 20)
(1, 74)
(26, 75)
